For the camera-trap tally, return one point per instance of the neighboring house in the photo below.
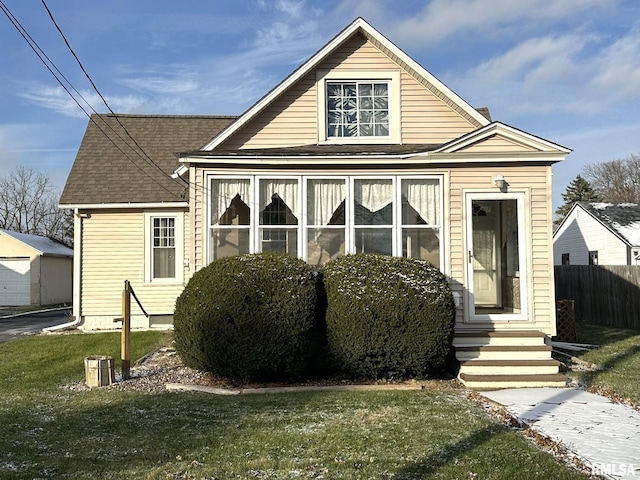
(34, 270)
(598, 234)
(358, 150)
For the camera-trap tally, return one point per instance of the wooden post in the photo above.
(125, 348)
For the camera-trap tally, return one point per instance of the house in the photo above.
(358, 150)
(34, 270)
(598, 234)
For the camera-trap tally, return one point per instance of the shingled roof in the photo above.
(621, 218)
(109, 168)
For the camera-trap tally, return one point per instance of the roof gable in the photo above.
(43, 245)
(621, 218)
(358, 27)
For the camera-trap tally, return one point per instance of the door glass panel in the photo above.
(496, 257)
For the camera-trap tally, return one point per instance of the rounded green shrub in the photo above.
(249, 317)
(387, 317)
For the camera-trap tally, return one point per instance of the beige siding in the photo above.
(292, 119)
(113, 250)
(497, 144)
(535, 182)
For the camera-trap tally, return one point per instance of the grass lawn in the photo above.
(618, 355)
(50, 432)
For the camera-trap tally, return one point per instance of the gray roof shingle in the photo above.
(622, 218)
(111, 169)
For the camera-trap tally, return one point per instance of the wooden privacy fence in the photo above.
(603, 294)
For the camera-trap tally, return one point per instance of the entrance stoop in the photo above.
(506, 359)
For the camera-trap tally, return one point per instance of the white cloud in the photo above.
(441, 19)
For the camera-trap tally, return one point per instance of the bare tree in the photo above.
(29, 204)
(616, 181)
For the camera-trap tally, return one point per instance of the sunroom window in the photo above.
(319, 218)
(230, 217)
(357, 109)
(278, 215)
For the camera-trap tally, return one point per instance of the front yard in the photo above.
(616, 362)
(49, 431)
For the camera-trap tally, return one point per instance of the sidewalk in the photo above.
(605, 435)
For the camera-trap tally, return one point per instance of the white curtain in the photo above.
(424, 197)
(373, 194)
(225, 190)
(287, 190)
(323, 198)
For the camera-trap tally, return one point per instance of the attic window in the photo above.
(357, 109)
(358, 106)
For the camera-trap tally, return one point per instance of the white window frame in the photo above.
(303, 220)
(207, 198)
(392, 77)
(255, 212)
(179, 246)
(439, 227)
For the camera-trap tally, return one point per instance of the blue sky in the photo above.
(566, 70)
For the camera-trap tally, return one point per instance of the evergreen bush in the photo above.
(249, 317)
(387, 317)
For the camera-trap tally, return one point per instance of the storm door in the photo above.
(496, 257)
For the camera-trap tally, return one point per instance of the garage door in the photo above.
(15, 281)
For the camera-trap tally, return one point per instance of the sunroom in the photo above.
(317, 217)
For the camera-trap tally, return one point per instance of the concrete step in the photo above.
(513, 367)
(503, 352)
(493, 382)
(525, 337)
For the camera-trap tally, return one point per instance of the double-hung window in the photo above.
(164, 252)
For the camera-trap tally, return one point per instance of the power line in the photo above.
(106, 104)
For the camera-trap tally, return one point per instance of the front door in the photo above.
(496, 257)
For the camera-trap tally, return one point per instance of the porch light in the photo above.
(500, 182)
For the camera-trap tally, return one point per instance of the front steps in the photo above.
(503, 359)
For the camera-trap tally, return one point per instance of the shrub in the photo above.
(387, 316)
(249, 317)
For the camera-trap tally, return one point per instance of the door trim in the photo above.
(470, 314)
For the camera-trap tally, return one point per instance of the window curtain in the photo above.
(287, 190)
(323, 199)
(373, 194)
(223, 191)
(424, 197)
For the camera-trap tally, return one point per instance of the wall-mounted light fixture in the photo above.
(500, 182)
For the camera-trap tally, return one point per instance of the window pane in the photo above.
(230, 200)
(279, 202)
(420, 202)
(378, 240)
(326, 201)
(421, 243)
(324, 244)
(365, 114)
(279, 240)
(373, 202)
(226, 242)
(164, 263)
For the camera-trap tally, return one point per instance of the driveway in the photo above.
(31, 323)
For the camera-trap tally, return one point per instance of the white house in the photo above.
(599, 234)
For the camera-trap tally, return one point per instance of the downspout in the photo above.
(77, 274)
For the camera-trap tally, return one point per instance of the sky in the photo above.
(564, 70)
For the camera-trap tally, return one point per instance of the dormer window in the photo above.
(358, 106)
(357, 109)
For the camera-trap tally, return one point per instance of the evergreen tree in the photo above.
(579, 190)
